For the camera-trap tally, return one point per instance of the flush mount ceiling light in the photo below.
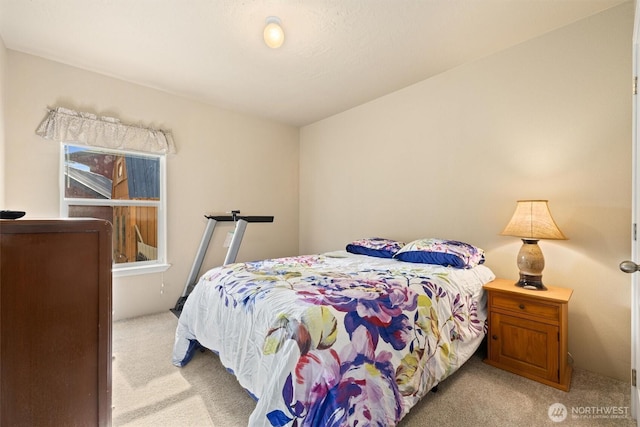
(273, 34)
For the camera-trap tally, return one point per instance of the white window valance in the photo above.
(64, 125)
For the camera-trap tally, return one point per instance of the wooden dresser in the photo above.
(55, 322)
(528, 332)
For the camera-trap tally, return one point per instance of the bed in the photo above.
(352, 337)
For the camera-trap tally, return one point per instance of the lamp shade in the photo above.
(532, 220)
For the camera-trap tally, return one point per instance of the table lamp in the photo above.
(531, 222)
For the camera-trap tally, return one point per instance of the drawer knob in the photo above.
(521, 306)
(495, 337)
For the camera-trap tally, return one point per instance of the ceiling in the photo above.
(337, 53)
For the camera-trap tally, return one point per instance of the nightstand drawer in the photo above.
(527, 306)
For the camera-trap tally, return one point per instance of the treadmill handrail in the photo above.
(229, 218)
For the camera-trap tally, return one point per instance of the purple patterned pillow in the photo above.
(441, 252)
(375, 246)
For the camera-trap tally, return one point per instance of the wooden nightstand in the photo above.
(528, 332)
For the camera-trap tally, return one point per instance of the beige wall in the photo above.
(3, 85)
(225, 161)
(449, 157)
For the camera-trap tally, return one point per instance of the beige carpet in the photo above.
(149, 391)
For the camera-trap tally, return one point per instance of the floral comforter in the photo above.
(335, 339)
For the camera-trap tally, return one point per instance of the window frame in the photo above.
(129, 268)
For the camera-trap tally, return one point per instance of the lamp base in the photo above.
(531, 282)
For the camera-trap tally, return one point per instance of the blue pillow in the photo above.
(375, 246)
(449, 253)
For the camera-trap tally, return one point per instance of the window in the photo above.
(128, 190)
